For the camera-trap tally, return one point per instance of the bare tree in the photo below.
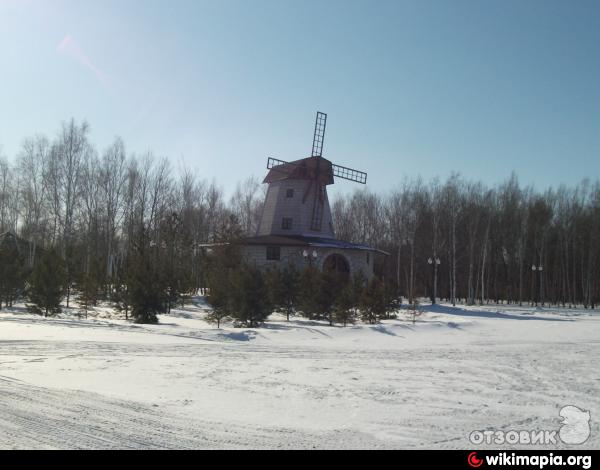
(34, 207)
(246, 203)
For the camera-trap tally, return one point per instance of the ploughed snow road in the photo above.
(40, 418)
(103, 383)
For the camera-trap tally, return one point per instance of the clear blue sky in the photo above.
(411, 87)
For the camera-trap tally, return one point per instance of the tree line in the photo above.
(111, 225)
(244, 294)
(133, 230)
(464, 241)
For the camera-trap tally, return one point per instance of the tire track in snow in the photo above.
(42, 418)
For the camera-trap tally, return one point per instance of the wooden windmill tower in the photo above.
(296, 203)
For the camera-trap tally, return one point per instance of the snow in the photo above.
(103, 382)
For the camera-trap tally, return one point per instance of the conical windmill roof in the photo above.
(304, 169)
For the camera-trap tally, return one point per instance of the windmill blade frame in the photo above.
(273, 162)
(319, 136)
(349, 174)
(318, 208)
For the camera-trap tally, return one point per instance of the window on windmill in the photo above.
(273, 253)
(368, 258)
(286, 223)
(289, 193)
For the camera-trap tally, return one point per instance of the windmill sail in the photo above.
(317, 153)
(319, 137)
(317, 213)
(349, 174)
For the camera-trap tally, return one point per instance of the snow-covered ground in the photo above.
(102, 382)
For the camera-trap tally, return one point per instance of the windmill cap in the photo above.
(303, 169)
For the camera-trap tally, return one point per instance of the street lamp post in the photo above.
(310, 257)
(539, 295)
(403, 242)
(434, 263)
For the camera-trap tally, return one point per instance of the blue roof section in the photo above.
(298, 240)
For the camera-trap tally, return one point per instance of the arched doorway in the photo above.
(337, 263)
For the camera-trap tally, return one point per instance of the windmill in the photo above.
(296, 224)
(319, 172)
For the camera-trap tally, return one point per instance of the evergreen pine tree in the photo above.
(173, 253)
(330, 283)
(372, 302)
(220, 266)
(348, 299)
(309, 284)
(390, 300)
(273, 282)
(218, 315)
(120, 294)
(89, 285)
(249, 300)
(283, 288)
(12, 272)
(344, 307)
(219, 291)
(290, 278)
(147, 292)
(47, 284)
